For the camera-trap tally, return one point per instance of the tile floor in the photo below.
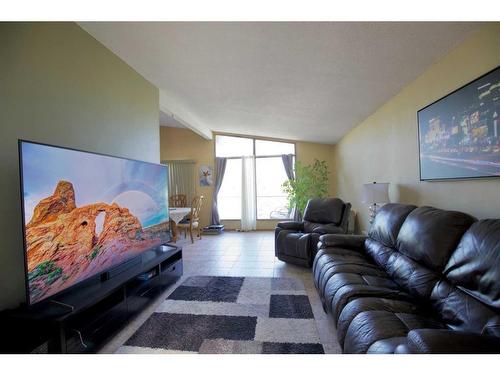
(233, 254)
(238, 254)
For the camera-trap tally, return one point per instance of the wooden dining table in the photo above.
(176, 214)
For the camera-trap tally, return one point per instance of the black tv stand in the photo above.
(71, 308)
(84, 318)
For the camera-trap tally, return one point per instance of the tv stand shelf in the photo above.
(82, 319)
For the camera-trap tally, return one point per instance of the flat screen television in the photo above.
(85, 213)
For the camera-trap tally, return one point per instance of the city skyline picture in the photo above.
(459, 135)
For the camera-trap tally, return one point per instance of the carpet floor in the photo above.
(218, 315)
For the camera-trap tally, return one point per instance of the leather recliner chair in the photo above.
(424, 280)
(296, 242)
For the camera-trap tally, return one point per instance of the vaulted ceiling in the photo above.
(294, 80)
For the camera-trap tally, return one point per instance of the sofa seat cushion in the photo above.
(382, 331)
(326, 259)
(343, 288)
(387, 346)
(362, 304)
(337, 254)
(294, 244)
(333, 261)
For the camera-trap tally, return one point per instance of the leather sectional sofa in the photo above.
(297, 241)
(424, 280)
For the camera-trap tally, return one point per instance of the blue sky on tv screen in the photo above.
(140, 187)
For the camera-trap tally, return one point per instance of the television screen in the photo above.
(85, 213)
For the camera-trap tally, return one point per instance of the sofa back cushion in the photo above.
(414, 244)
(463, 312)
(309, 226)
(475, 265)
(469, 298)
(446, 259)
(324, 210)
(408, 274)
(429, 235)
(388, 221)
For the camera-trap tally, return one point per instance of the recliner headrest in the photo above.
(429, 235)
(388, 221)
(324, 210)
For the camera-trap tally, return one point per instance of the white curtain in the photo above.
(248, 204)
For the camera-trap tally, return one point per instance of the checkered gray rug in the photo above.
(217, 315)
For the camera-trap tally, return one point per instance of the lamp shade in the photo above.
(376, 193)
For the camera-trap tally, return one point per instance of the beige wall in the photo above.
(60, 86)
(183, 144)
(384, 147)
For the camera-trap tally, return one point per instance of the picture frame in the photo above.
(459, 134)
(206, 175)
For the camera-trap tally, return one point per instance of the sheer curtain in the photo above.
(181, 178)
(248, 200)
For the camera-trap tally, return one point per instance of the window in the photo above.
(229, 197)
(226, 147)
(263, 148)
(271, 201)
(269, 176)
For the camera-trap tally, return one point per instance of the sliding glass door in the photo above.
(268, 175)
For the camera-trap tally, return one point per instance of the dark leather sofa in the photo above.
(424, 280)
(296, 241)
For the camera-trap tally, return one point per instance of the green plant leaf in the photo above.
(311, 181)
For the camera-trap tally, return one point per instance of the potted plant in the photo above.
(311, 181)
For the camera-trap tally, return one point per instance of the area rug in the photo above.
(218, 315)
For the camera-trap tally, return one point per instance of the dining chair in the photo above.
(192, 222)
(178, 200)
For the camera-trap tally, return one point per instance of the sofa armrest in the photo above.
(328, 229)
(346, 241)
(446, 341)
(291, 225)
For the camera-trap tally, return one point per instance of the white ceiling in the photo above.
(293, 80)
(167, 119)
